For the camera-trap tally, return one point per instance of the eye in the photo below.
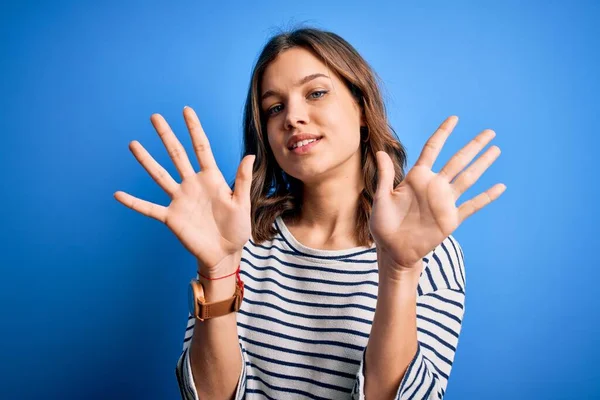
(322, 92)
(274, 110)
(270, 111)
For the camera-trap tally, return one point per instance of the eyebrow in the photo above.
(302, 81)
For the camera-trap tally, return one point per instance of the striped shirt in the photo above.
(307, 313)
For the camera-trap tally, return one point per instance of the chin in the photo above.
(308, 174)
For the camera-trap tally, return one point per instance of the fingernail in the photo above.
(186, 107)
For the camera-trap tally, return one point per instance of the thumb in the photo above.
(243, 179)
(385, 174)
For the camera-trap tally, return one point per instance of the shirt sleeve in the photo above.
(183, 370)
(439, 319)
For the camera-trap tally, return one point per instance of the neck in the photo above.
(329, 208)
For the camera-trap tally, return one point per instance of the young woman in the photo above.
(353, 286)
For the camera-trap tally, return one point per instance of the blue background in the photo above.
(93, 294)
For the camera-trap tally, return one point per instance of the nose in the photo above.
(296, 115)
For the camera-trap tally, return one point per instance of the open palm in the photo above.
(409, 221)
(209, 219)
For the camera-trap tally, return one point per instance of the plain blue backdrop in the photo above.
(93, 294)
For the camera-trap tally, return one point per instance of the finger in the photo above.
(173, 146)
(199, 139)
(469, 176)
(243, 180)
(156, 171)
(434, 145)
(385, 174)
(142, 206)
(465, 155)
(470, 207)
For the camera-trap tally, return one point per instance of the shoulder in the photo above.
(444, 267)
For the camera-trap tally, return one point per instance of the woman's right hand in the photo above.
(209, 219)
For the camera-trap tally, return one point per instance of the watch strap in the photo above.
(218, 308)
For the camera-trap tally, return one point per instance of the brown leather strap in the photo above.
(219, 308)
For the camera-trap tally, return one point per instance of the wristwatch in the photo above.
(202, 310)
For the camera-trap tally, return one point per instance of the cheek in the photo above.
(273, 137)
(273, 141)
(344, 130)
(275, 144)
(341, 119)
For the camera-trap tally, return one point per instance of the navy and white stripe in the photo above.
(306, 317)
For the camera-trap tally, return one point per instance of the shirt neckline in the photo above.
(302, 249)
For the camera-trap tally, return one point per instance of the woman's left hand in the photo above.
(409, 221)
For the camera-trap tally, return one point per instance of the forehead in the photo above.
(291, 66)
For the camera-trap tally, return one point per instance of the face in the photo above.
(301, 96)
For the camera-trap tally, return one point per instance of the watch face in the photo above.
(191, 299)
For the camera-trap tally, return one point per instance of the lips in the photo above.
(307, 148)
(300, 137)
